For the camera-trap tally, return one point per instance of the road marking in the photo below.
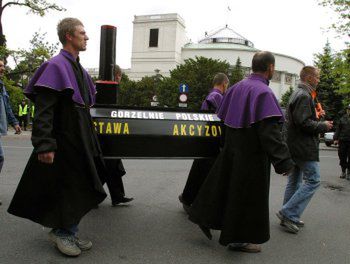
(16, 147)
(332, 157)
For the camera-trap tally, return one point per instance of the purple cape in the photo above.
(249, 101)
(214, 99)
(58, 74)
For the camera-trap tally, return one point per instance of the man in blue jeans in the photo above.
(6, 114)
(303, 130)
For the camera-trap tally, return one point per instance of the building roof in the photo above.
(226, 35)
(220, 46)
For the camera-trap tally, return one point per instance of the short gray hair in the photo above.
(67, 25)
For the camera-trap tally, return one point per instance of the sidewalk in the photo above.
(24, 134)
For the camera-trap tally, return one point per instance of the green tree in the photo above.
(28, 61)
(139, 93)
(342, 8)
(237, 73)
(329, 83)
(15, 93)
(38, 7)
(286, 96)
(198, 74)
(342, 70)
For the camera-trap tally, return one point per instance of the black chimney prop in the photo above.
(107, 87)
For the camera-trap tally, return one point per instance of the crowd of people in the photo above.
(229, 192)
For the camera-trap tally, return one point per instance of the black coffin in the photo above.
(156, 132)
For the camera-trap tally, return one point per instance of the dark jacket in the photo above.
(342, 132)
(303, 128)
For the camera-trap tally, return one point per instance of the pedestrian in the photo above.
(303, 130)
(342, 138)
(23, 114)
(115, 167)
(63, 178)
(201, 167)
(235, 195)
(6, 114)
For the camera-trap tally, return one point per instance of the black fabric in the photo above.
(198, 173)
(82, 82)
(114, 182)
(344, 155)
(303, 128)
(342, 132)
(235, 195)
(58, 195)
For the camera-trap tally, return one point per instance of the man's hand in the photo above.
(17, 129)
(329, 125)
(47, 157)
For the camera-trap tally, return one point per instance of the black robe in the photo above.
(58, 195)
(235, 195)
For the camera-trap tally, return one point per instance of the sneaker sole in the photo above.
(286, 225)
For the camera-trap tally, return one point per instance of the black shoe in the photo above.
(343, 175)
(206, 231)
(185, 205)
(298, 224)
(0, 202)
(122, 200)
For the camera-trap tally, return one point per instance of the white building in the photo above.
(160, 43)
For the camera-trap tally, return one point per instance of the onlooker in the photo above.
(235, 195)
(303, 130)
(6, 114)
(115, 167)
(62, 180)
(201, 167)
(23, 114)
(342, 137)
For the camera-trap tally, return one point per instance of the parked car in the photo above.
(328, 138)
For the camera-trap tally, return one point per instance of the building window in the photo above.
(276, 76)
(289, 78)
(153, 37)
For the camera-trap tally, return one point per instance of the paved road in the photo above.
(154, 229)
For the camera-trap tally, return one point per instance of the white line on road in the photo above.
(332, 157)
(16, 147)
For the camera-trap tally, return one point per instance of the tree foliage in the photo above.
(342, 8)
(286, 96)
(237, 73)
(139, 93)
(28, 61)
(38, 7)
(330, 79)
(198, 74)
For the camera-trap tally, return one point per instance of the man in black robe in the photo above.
(62, 180)
(115, 167)
(235, 196)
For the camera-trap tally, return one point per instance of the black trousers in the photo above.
(344, 155)
(198, 173)
(23, 120)
(115, 184)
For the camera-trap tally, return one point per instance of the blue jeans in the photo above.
(1, 156)
(66, 232)
(298, 193)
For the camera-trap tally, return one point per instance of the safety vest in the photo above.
(22, 110)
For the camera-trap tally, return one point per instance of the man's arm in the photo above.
(9, 113)
(269, 132)
(43, 139)
(302, 117)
